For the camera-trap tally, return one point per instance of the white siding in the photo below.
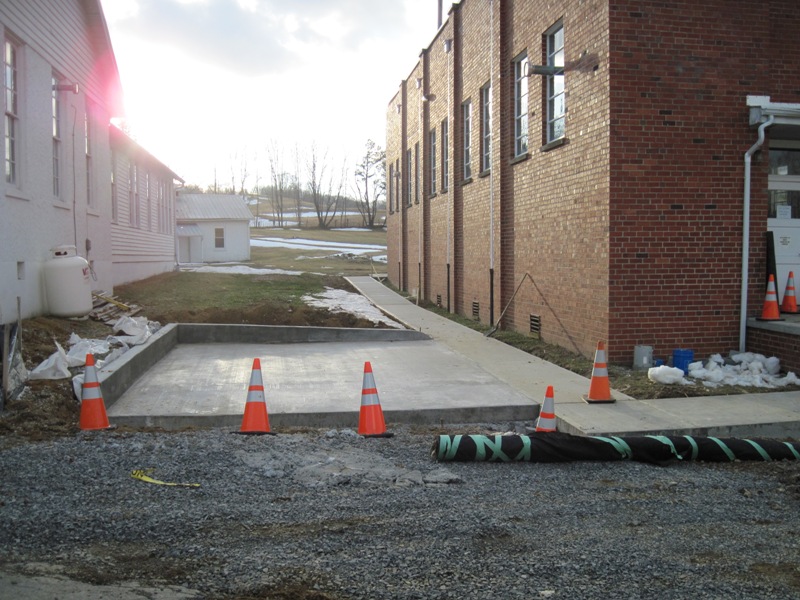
(64, 35)
(53, 37)
(141, 251)
(69, 37)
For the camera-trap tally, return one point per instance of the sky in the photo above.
(211, 85)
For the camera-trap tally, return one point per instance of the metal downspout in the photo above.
(491, 160)
(746, 230)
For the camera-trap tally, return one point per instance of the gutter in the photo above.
(746, 229)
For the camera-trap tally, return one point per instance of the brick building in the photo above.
(589, 170)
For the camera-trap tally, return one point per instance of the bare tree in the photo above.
(325, 193)
(298, 202)
(239, 173)
(280, 181)
(370, 184)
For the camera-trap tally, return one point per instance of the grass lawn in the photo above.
(276, 299)
(325, 261)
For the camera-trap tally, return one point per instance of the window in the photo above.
(432, 161)
(466, 114)
(445, 156)
(55, 102)
(391, 188)
(397, 182)
(11, 84)
(114, 201)
(164, 222)
(133, 196)
(556, 99)
(408, 177)
(219, 237)
(486, 127)
(784, 182)
(88, 149)
(148, 202)
(416, 172)
(521, 104)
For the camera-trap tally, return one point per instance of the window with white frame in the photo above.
(784, 180)
(114, 199)
(55, 117)
(432, 161)
(165, 223)
(148, 199)
(11, 85)
(219, 237)
(556, 97)
(445, 156)
(521, 104)
(466, 116)
(398, 194)
(486, 127)
(88, 130)
(133, 195)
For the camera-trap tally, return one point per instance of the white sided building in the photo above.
(67, 174)
(212, 228)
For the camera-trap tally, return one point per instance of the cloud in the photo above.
(218, 32)
(258, 37)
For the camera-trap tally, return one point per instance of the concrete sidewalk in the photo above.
(774, 414)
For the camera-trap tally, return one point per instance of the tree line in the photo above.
(302, 178)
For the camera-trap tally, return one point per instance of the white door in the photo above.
(784, 212)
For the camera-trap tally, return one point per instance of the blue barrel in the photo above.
(681, 359)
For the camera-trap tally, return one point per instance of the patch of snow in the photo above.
(305, 244)
(241, 270)
(667, 375)
(748, 370)
(343, 301)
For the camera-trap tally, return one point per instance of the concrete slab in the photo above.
(437, 371)
(769, 414)
(774, 414)
(317, 385)
(526, 373)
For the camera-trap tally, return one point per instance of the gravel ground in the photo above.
(330, 515)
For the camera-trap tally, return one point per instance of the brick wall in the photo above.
(680, 74)
(473, 269)
(560, 211)
(774, 343)
(629, 229)
(439, 243)
(394, 152)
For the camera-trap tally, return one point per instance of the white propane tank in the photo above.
(67, 283)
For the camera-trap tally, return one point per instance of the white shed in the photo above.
(212, 228)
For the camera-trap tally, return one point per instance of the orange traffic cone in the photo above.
(255, 410)
(547, 415)
(599, 388)
(789, 304)
(770, 311)
(93, 409)
(370, 420)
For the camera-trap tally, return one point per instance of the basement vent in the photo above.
(476, 310)
(536, 324)
(439, 300)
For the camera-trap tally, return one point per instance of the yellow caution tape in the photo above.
(142, 475)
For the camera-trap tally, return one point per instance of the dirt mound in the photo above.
(267, 313)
